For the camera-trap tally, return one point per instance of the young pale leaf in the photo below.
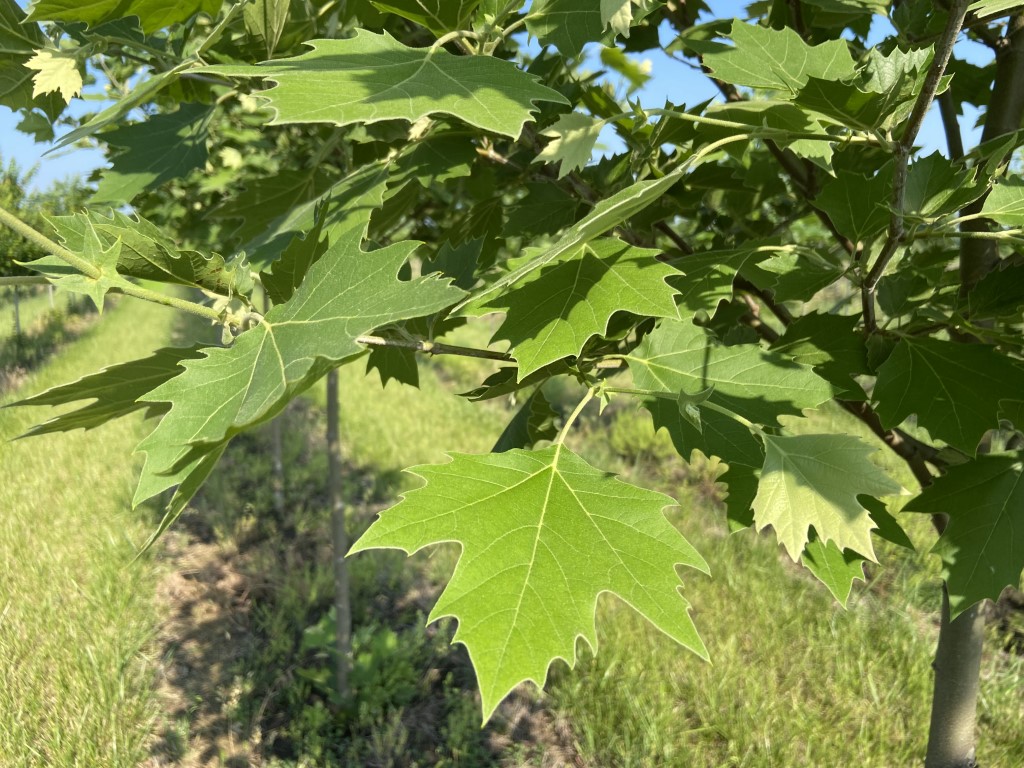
(759, 385)
(608, 213)
(162, 148)
(813, 481)
(153, 14)
(982, 549)
(543, 534)
(554, 315)
(346, 294)
(953, 388)
(19, 42)
(115, 391)
(55, 72)
(778, 60)
(1005, 203)
(573, 138)
(371, 77)
(146, 252)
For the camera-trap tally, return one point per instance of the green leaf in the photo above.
(141, 94)
(799, 273)
(836, 568)
(759, 385)
(348, 203)
(542, 534)
(115, 391)
(1005, 203)
(164, 147)
(953, 388)
(266, 20)
(272, 198)
(1000, 293)
(935, 187)
(608, 213)
(394, 364)
(147, 253)
(813, 481)
(370, 77)
(772, 118)
(778, 60)
(574, 136)
(153, 14)
(718, 436)
(888, 528)
(881, 96)
(856, 204)
(104, 257)
(533, 422)
(566, 24)
(708, 278)
(347, 293)
(831, 345)
(545, 209)
(439, 16)
(982, 550)
(554, 315)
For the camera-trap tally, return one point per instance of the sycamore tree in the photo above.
(385, 170)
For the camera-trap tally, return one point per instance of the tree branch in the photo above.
(902, 151)
(434, 348)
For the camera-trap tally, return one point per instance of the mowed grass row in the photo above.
(795, 679)
(31, 308)
(75, 612)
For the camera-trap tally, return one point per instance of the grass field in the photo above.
(75, 613)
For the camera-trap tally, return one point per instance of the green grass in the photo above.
(75, 614)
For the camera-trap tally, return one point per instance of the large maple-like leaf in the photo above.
(778, 59)
(114, 392)
(346, 293)
(953, 388)
(153, 14)
(543, 534)
(607, 213)
(554, 315)
(759, 385)
(982, 548)
(147, 252)
(813, 481)
(371, 77)
(566, 24)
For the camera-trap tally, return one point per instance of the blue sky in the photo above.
(671, 79)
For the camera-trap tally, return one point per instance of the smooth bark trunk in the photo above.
(342, 604)
(955, 698)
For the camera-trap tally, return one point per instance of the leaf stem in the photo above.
(434, 348)
(16, 225)
(574, 415)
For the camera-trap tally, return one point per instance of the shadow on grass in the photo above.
(20, 354)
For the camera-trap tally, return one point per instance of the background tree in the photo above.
(737, 263)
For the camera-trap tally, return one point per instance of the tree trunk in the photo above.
(277, 465)
(342, 606)
(955, 698)
(17, 324)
